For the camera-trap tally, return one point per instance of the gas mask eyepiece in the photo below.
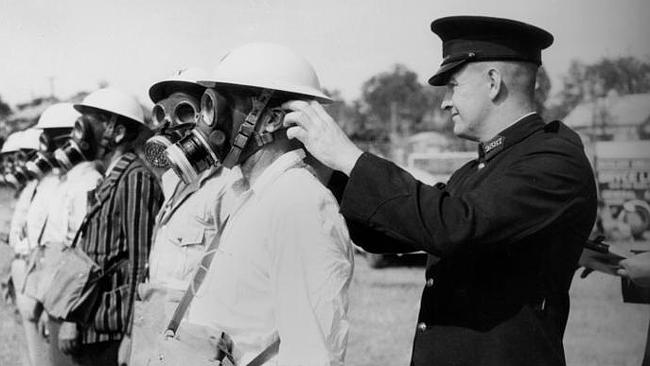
(175, 116)
(206, 145)
(175, 111)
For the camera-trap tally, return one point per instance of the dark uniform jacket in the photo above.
(118, 226)
(503, 236)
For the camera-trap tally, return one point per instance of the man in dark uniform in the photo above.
(505, 233)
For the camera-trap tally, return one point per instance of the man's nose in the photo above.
(446, 101)
(446, 104)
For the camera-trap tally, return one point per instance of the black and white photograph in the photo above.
(324, 183)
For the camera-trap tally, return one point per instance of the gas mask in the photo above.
(17, 175)
(174, 117)
(88, 141)
(217, 140)
(43, 161)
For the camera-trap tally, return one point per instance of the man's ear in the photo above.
(273, 120)
(496, 82)
(120, 133)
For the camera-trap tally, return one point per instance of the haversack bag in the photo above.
(71, 284)
(37, 277)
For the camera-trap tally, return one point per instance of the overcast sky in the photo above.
(133, 43)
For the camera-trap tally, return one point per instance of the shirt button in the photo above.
(422, 326)
(430, 282)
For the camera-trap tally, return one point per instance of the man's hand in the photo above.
(322, 137)
(68, 338)
(124, 352)
(637, 269)
(596, 261)
(42, 325)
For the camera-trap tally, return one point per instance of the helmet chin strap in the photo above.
(247, 129)
(108, 143)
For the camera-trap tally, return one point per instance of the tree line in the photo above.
(394, 102)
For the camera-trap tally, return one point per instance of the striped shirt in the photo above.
(119, 225)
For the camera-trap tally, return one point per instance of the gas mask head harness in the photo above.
(174, 117)
(92, 136)
(43, 160)
(225, 134)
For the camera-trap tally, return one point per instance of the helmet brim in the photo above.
(162, 89)
(308, 93)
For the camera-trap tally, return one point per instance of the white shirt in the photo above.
(70, 203)
(37, 213)
(283, 267)
(186, 223)
(17, 227)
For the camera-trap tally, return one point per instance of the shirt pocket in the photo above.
(177, 251)
(192, 247)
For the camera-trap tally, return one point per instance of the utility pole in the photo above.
(51, 80)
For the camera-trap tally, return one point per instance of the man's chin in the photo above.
(464, 134)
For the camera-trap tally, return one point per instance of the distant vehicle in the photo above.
(429, 168)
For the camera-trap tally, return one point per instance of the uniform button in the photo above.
(430, 282)
(422, 326)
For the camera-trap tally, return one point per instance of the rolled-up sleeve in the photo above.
(312, 264)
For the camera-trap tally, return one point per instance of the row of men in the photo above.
(249, 249)
(283, 265)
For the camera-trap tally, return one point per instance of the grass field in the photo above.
(602, 330)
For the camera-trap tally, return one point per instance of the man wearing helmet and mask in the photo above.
(17, 150)
(189, 217)
(68, 202)
(26, 228)
(284, 261)
(118, 226)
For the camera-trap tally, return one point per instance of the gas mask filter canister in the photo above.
(79, 147)
(43, 161)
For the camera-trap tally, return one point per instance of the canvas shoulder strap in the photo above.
(194, 285)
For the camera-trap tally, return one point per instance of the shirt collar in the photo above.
(522, 128)
(111, 166)
(280, 165)
(117, 168)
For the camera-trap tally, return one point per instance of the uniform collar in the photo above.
(269, 175)
(180, 190)
(524, 127)
(176, 195)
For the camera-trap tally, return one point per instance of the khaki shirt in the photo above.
(185, 225)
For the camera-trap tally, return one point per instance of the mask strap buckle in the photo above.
(247, 128)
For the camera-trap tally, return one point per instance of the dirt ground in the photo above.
(602, 330)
